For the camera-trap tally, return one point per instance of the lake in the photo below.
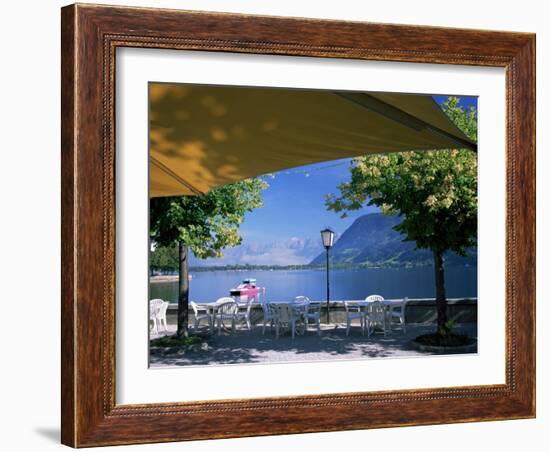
(348, 284)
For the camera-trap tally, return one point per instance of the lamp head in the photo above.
(327, 236)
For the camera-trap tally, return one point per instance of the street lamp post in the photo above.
(327, 236)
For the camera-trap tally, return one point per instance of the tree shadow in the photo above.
(249, 347)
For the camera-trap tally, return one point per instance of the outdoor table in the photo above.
(292, 304)
(388, 305)
(211, 306)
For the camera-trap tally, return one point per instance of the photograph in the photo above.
(300, 225)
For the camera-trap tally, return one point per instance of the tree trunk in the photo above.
(440, 298)
(183, 292)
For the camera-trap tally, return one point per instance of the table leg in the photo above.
(212, 321)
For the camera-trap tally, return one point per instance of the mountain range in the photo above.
(369, 241)
(372, 241)
(292, 251)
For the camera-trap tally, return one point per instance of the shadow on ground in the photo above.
(249, 347)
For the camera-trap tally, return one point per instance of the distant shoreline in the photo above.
(172, 278)
(163, 278)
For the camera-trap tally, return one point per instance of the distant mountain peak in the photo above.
(371, 240)
(291, 251)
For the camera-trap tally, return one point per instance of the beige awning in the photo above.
(202, 137)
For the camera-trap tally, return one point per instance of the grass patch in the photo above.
(447, 340)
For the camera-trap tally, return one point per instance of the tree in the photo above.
(435, 193)
(164, 258)
(203, 224)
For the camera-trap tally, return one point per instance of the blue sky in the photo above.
(294, 203)
(294, 209)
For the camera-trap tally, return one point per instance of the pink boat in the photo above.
(247, 289)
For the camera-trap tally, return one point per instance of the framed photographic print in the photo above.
(278, 225)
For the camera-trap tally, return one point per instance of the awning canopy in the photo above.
(202, 137)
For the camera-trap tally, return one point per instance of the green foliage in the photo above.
(208, 223)
(164, 258)
(448, 328)
(435, 192)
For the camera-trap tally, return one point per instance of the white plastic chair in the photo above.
(285, 315)
(225, 309)
(353, 311)
(310, 311)
(374, 298)
(200, 313)
(399, 315)
(162, 315)
(244, 314)
(299, 306)
(154, 308)
(269, 314)
(301, 299)
(377, 316)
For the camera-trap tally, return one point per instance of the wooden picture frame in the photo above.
(90, 36)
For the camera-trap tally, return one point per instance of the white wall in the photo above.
(29, 226)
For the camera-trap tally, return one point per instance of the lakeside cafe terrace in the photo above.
(296, 316)
(373, 314)
(203, 137)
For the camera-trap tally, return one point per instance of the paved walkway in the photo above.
(251, 347)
